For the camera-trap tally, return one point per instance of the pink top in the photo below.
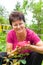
(31, 36)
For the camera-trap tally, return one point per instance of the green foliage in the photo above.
(22, 57)
(22, 8)
(23, 61)
(42, 63)
(34, 27)
(3, 20)
(2, 9)
(37, 20)
(2, 41)
(3, 15)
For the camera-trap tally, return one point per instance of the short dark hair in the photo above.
(16, 16)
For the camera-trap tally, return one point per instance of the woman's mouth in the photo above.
(20, 31)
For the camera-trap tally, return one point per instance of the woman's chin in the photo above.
(19, 31)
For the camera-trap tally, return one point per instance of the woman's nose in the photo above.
(18, 26)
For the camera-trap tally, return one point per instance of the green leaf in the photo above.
(23, 61)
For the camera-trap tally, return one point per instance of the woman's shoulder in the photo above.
(31, 33)
(29, 30)
(10, 32)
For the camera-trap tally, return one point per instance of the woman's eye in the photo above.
(15, 25)
(20, 23)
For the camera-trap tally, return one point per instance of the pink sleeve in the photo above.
(35, 38)
(9, 37)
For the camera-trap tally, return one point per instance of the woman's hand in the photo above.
(19, 48)
(22, 46)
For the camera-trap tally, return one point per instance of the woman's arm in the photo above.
(8, 47)
(9, 50)
(36, 48)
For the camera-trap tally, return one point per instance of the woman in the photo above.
(19, 33)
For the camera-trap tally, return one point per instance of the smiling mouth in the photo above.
(19, 31)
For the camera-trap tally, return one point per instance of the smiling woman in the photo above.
(21, 39)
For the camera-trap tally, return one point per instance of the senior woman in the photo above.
(19, 33)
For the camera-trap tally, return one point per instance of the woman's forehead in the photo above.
(17, 21)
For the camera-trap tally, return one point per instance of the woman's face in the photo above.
(18, 26)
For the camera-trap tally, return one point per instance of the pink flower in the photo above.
(21, 44)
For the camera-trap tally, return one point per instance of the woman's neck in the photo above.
(22, 36)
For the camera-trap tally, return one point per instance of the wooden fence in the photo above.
(4, 27)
